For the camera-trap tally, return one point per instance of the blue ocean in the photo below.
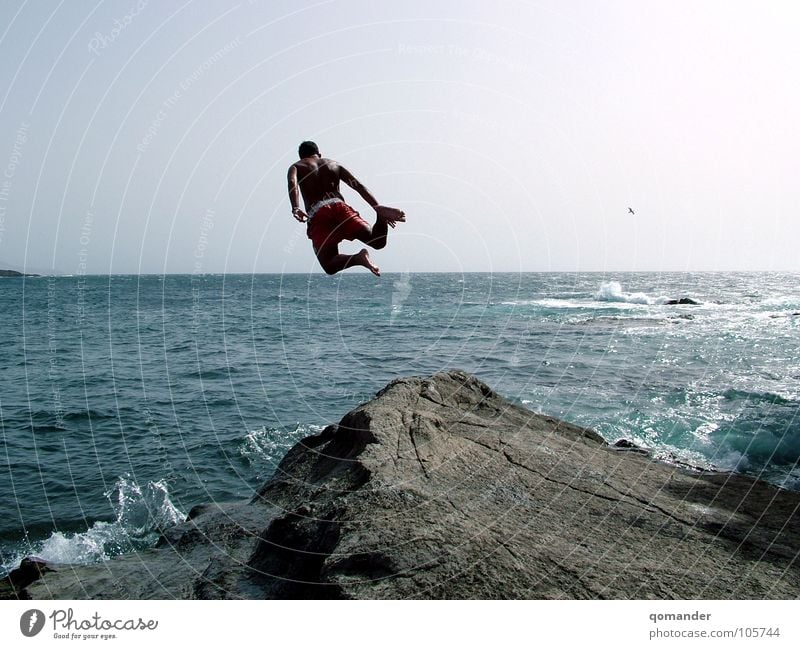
(126, 400)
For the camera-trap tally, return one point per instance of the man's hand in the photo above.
(300, 215)
(389, 215)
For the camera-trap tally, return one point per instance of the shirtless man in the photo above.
(331, 220)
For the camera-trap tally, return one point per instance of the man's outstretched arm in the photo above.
(294, 195)
(387, 215)
(348, 178)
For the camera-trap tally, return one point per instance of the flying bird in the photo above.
(630, 211)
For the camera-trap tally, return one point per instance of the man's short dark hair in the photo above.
(307, 149)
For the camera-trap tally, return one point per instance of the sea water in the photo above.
(126, 400)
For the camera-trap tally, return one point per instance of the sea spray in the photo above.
(143, 510)
(263, 448)
(612, 292)
(141, 514)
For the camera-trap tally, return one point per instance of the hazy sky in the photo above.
(153, 136)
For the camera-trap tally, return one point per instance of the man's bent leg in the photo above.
(387, 217)
(376, 236)
(332, 262)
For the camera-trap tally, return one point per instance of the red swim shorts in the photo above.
(333, 223)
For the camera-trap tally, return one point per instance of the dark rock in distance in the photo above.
(440, 488)
(683, 300)
(16, 273)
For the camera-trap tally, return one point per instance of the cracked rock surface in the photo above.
(440, 488)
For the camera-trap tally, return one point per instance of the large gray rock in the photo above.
(439, 488)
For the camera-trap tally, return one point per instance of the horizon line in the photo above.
(24, 274)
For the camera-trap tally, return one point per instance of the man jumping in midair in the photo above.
(331, 220)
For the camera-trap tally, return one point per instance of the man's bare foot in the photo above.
(389, 215)
(364, 260)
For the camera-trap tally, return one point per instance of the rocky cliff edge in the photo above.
(440, 488)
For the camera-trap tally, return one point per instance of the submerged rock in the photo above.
(627, 445)
(683, 300)
(440, 488)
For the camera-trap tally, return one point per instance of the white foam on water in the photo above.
(87, 547)
(792, 480)
(782, 301)
(730, 460)
(566, 303)
(141, 513)
(142, 510)
(612, 292)
(557, 303)
(610, 295)
(267, 444)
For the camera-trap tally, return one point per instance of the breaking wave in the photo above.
(141, 514)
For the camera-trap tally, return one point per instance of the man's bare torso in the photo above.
(318, 179)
